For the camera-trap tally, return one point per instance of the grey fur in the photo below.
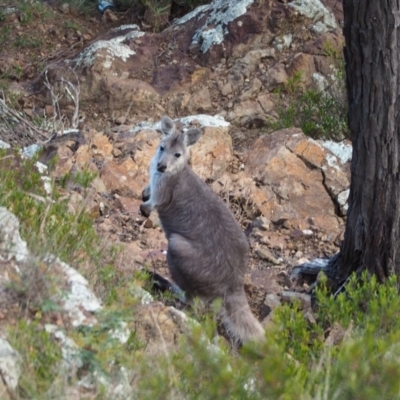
(207, 250)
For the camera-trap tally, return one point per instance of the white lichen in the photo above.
(4, 145)
(122, 333)
(30, 151)
(10, 364)
(323, 19)
(341, 150)
(320, 82)
(144, 296)
(205, 120)
(113, 48)
(343, 200)
(79, 298)
(215, 28)
(11, 244)
(47, 184)
(42, 168)
(283, 42)
(332, 161)
(127, 26)
(70, 351)
(202, 119)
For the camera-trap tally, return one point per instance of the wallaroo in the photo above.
(207, 250)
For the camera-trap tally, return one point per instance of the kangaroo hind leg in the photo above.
(183, 259)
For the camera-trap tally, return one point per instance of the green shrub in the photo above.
(295, 362)
(321, 114)
(40, 357)
(46, 224)
(371, 306)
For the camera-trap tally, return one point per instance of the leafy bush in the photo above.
(371, 306)
(295, 362)
(317, 113)
(321, 114)
(46, 224)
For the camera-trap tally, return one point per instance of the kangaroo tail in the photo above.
(239, 321)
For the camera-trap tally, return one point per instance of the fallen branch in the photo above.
(11, 117)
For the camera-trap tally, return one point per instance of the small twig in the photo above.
(341, 287)
(72, 91)
(54, 98)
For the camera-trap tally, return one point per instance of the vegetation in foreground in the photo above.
(350, 350)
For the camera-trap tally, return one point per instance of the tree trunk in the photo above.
(372, 55)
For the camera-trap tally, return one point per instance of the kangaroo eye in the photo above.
(161, 148)
(177, 155)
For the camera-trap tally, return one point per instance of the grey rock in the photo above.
(10, 364)
(290, 297)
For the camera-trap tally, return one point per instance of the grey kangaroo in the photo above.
(207, 250)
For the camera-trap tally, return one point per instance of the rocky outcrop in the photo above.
(293, 181)
(224, 57)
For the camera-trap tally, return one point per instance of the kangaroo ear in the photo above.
(167, 126)
(191, 136)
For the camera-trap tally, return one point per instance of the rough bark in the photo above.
(372, 55)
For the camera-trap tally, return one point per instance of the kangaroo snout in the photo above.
(161, 167)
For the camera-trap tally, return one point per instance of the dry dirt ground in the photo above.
(34, 35)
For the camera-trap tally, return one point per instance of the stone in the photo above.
(248, 113)
(10, 366)
(265, 254)
(226, 89)
(212, 153)
(159, 326)
(262, 223)
(98, 185)
(337, 334)
(309, 317)
(322, 18)
(276, 76)
(283, 42)
(83, 157)
(253, 58)
(129, 205)
(290, 297)
(200, 101)
(130, 176)
(75, 203)
(302, 65)
(65, 160)
(124, 178)
(4, 391)
(272, 301)
(100, 145)
(79, 302)
(284, 279)
(252, 91)
(266, 102)
(11, 244)
(288, 168)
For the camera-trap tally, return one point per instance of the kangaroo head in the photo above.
(173, 151)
